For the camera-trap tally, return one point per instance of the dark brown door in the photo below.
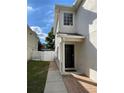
(69, 56)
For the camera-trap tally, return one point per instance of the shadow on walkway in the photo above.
(79, 84)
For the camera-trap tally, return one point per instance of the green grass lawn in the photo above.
(36, 76)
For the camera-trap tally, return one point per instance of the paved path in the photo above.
(54, 83)
(79, 84)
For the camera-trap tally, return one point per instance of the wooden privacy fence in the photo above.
(43, 55)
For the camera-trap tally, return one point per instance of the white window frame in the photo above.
(68, 19)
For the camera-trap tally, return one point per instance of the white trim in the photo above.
(70, 68)
(64, 7)
(68, 26)
(73, 39)
(63, 57)
(69, 43)
(71, 36)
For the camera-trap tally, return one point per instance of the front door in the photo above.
(69, 56)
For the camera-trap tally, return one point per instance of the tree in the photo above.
(50, 40)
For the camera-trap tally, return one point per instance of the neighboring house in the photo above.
(32, 43)
(75, 38)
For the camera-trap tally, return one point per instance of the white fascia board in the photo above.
(73, 39)
(70, 36)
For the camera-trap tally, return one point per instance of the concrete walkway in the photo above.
(54, 83)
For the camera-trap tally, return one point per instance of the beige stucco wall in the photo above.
(85, 52)
(86, 25)
(32, 43)
(64, 28)
(58, 51)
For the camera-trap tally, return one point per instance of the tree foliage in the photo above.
(50, 40)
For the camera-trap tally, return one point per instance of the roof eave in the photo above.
(78, 3)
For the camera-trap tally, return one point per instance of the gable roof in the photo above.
(75, 5)
(78, 3)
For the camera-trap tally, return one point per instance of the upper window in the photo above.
(68, 19)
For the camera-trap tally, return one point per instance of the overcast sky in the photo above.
(41, 13)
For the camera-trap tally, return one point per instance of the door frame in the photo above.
(68, 43)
